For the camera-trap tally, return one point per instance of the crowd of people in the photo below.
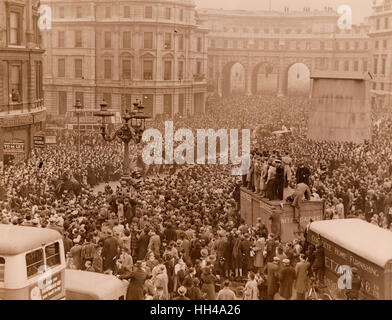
(178, 233)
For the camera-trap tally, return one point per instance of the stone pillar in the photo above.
(248, 84)
(219, 76)
(280, 78)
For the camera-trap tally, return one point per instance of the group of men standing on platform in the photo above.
(270, 174)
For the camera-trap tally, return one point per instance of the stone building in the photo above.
(381, 54)
(22, 112)
(121, 51)
(277, 51)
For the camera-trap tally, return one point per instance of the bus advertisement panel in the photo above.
(372, 275)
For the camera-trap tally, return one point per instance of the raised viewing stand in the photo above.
(253, 207)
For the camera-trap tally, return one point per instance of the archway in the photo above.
(233, 78)
(297, 80)
(264, 79)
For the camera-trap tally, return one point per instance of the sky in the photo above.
(360, 8)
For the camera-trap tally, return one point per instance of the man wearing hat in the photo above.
(226, 293)
(272, 272)
(287, 277)
(182, 292)
(136, 284)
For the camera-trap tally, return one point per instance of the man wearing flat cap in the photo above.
(287, 277)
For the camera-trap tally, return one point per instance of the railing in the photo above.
(21, 107)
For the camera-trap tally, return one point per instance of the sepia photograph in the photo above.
(197, 150)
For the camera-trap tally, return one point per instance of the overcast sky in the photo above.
(360, 8)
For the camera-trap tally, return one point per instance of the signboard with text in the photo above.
(48, 289)
(39, 141)
(13, 147)
(50, 140)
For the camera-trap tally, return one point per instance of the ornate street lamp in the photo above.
(78, 110)
(127, 132)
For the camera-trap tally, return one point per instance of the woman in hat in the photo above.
(137, 277)
(208, 280)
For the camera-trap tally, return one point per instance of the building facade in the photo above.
(123, 51)
(22, 111)
(381, 54)
(277, 51)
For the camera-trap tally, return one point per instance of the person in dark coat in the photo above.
(286, 278)
(142, 246)
(272, 272)
(279, 181)
(302, 175)
(245, 249)
(110, 251)
(169, 233)
(137, 277)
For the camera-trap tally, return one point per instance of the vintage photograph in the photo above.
(195, 150)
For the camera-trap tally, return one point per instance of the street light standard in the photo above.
(127, 132)
(78, 109)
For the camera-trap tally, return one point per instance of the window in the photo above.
(347, 45)
(365, 65)
(377, 24)
(167, 104)
(107, 69)
(375, 65)
(386, 26)
(376, 45)
(346, 66)
(38, 80)
(108, 40)
(147, 69)
(256, 44)
(15, 30)
(61, 12)
(355, 65)
(126, 101)
(198, 67)
(322, 45)
(34, 260)
(148, 12)
(277, 30)
(61, 68)
(62, 102)
(167, 70)
(180, 42)
(15, 83)
(366, 45)
(181, 103)
(78, 12)
(382, 86)
(336, 66)
(180, 70)
(127, 40)
(107, 96)
(181, 14)
(225, 44)
(212, 43)
(168, 40)
(199, 48)
(79, 96)
(78, 39)
(235, 44)
(245, 44)
(383, 66)
(127, 12)
(148, 40)
(126, 69)
(385, 44)
(108, 12)
(61, 39)
(78, 68)
(266, 45)
(168, 13)
(2, 269)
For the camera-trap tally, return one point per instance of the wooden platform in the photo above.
(253, 207)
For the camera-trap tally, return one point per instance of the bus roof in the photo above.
(360, 237)
(102, 286)
(17, 239)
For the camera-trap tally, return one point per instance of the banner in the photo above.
(13, 147)
(39, 141)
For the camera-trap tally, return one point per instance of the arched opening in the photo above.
(233, 79)
(264, 79)
(298, 80)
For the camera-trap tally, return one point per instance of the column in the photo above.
(248, 85)
(280, 78)
(218, 76)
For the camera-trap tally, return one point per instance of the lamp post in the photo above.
(132, 129)
(78, 108)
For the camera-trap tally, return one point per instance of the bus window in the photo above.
(2, 268)
(34, 260)
(52, 253)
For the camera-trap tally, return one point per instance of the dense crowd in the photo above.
(177, 233)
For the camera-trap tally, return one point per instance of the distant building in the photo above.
(381, 54)
(22, 111)
(279, 50)
(123, 51)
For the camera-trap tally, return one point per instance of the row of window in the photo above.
(382, 23)
(126, 68)
(148, 40)
(380, 69)
(276, 44)
(273, 30)
(126, 101)
(148, 13)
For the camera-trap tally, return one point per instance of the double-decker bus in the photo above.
(88, 121)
